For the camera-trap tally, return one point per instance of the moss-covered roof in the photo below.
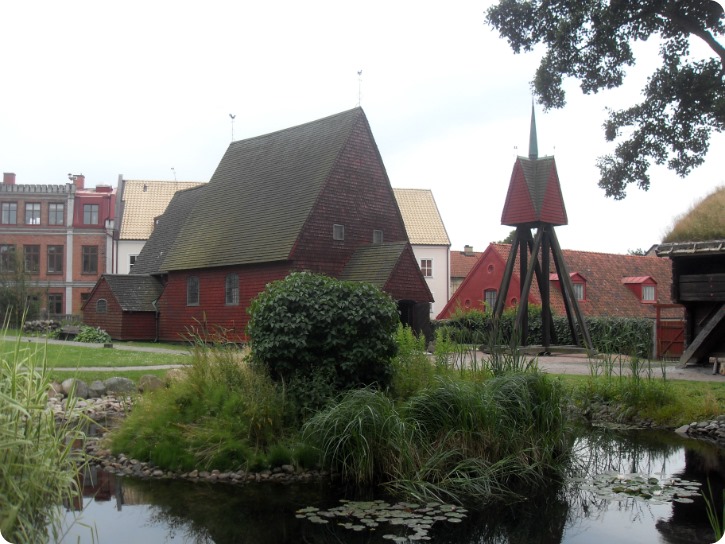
(134, 293)
(374, 263)
(256, 203)
(166, 230)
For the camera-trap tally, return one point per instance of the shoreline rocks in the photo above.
(108, 409)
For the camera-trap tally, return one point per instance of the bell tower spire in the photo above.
(533, 141)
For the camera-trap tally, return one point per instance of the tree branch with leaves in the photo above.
(683, 101)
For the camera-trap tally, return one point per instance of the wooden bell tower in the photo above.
(534, 201)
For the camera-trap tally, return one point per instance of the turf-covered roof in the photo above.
(374, 263)
(134, 293)
(165, 232)
(704, 221)
(256, 203)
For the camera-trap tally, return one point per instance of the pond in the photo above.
(625, 487)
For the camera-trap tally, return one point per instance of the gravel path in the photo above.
(554, 364)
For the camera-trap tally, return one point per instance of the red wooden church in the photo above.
(313, 197)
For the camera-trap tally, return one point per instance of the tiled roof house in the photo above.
(313, 197)
(429, 239)
(461, 264)
(138, 205)
(606, 284)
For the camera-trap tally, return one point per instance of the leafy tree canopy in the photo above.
(591, 40)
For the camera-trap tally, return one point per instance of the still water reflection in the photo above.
(124, 510)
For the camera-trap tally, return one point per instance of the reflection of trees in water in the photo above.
(647, 453)
(703, 462)
(261, 514)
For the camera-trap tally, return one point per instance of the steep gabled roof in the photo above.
(143, 201)
(134, 293)
(374, 263)
(261, 194)
(421, 217)
(164, 234)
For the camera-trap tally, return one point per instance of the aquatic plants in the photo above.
(455, 441)
(39, 462)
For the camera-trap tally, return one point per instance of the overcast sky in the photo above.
(145, 89)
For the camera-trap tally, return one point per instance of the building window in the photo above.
(426, 266)
(32, 213)
(101, 306)
(131, 261)
(9, 213)
(579, 291)
(377, 236)
(32, 259)
(192, 291)
(55, 259)
(90, 259)
(84, 298)
(55, 304)
(56, 213)
(90, 214)
(648, 293)
(7, 258)
(338, 232)
(489, 298)
(232, 289)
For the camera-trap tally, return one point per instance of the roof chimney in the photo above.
(468, 250)
(79, 180)
(8, 178)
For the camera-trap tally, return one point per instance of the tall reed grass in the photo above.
(456, 440)
(38, 463)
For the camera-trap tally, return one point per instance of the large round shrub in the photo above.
(310, 326)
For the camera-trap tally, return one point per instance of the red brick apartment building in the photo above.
(62, 234)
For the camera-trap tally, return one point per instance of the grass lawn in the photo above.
(69, 356)
(691, 400)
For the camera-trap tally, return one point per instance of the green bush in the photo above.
(310, 323)
(92, 335)
(624, 335)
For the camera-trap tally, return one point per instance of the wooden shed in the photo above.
(698, 283)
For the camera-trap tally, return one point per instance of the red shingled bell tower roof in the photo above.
(534, 193)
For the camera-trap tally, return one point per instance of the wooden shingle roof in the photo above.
(143, 201)
(134, 293)
(261, 194)
(534, 194)
(374, 263)
(422, 219)
(164, 234)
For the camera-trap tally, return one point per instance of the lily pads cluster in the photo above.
(415, 519)
(616, 486)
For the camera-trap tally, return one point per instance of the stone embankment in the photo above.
(713, 430)
(107, 409)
